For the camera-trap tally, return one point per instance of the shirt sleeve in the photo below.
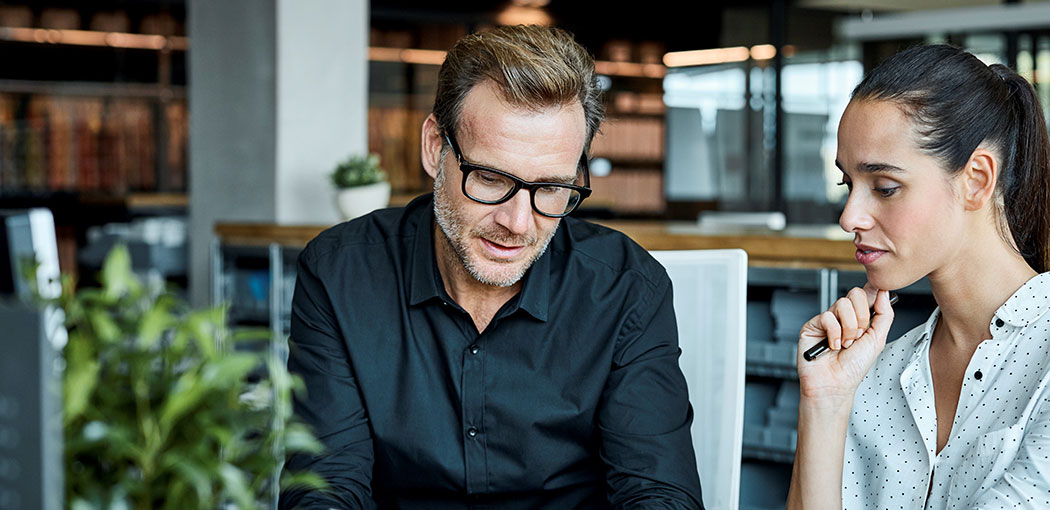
(1026, 481)
(331, 403)
(645, 414)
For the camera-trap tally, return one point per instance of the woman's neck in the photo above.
(971, 288)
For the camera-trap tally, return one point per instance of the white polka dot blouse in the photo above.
(998, 455)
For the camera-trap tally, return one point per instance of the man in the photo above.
(465, 351)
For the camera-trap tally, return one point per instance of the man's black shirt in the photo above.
(571, 397)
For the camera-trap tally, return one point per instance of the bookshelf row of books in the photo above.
(635, 139)
(393, 134)
(632, 190)
(51, 143)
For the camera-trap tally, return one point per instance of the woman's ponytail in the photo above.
(1025, 178)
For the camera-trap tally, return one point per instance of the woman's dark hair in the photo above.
(957, 104)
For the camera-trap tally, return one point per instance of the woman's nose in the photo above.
(855, 216)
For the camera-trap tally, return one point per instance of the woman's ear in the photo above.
(978, 178)
(431, 143)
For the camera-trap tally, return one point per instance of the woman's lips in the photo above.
(498, 251)
(868, 256)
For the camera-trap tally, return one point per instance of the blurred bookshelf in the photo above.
(403, 80)
(111, 142)
(93, 115)
(633, 140)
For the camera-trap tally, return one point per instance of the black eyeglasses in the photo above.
(490, 186)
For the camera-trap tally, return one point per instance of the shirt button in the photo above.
(999, 323)
(474, 349)
(472, 432)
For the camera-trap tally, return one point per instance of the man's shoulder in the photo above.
(610, 249)
(383, 227)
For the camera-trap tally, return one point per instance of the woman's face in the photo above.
(902, 210)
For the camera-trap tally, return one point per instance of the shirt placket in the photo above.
(917, 386)
(474, 434)
(979, 371)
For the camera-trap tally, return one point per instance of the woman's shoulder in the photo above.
(1028, 305)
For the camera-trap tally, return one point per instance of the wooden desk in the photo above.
(798, 246)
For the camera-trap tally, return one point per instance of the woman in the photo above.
(946, 161)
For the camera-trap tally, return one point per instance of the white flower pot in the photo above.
(361, 200)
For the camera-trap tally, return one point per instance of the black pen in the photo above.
(824, 345)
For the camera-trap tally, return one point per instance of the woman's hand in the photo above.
(856, 339)
(828, 384)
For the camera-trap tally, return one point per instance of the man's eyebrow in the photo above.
(561, 179)
(870, 168)
(555, 179)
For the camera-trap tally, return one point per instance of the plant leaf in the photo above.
(235, 486)
(104, 326)
(204, 327)
(184, 396)
(117, 277)
(160, 409)
(80, 381)
(192, 474)
(83, 504)
(154, 323)
(298, 438)
(229, 370)
(302, 480)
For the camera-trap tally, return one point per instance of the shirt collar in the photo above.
(927, 329)
(535, 297)
(1028, 303)
(426, 282)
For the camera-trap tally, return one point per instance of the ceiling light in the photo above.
(523, 15)
(705, 57)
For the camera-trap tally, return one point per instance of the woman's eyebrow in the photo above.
(869, 168)
(879, 167)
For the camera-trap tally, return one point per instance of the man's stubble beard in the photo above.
(452, 226)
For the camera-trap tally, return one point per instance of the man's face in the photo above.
(496, 244)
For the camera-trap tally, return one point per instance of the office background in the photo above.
(202, 132)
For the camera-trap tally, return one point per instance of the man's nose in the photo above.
(516, 214)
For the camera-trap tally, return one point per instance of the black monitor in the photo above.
(32, 337)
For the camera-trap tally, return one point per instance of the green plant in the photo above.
(358, 171)
(159, 409)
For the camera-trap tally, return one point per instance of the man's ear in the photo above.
(978, 178)
(431, 146)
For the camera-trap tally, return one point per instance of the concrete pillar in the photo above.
(278, 95)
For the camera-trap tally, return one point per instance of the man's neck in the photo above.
(480, 300)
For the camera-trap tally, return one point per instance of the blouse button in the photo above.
(978, 375)
(999, 323)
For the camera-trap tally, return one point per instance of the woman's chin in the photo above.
(885, 281)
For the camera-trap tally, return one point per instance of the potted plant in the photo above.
(362, 185)
(160, 410)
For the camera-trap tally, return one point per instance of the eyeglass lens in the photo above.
(493, 187)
